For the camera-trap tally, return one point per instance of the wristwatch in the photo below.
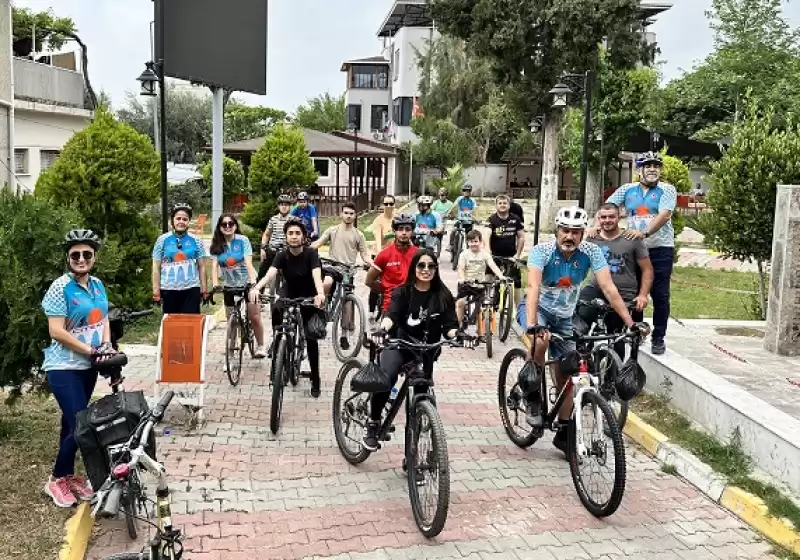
(646, 234)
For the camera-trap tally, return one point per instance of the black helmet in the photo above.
(302, 195)
(649, 157)
(181, 206)
(630, 380)
(284, 198)
(294, 221)
(81, 237)
(467, 187)
(403, 220)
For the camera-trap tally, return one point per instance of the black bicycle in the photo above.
(288, 351)
(479, 311)
(604, 446)
(456, 242)
(238, 333)
(429, 464)
(344, 297)
(504, 298)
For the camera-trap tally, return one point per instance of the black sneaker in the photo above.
(658, 347)
(370, 439)
(560, 440)
(315, 391)
(344, 344)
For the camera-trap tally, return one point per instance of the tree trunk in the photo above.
(762, 289)
(594, 192)
(550, 157)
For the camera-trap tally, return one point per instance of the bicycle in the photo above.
(344, 295)
(124, 480)
(481, 315)
(421, 417)
(238, 333)
(583, 385)
(456, 242)
(506, 295)
(422, 239)
(289, 346)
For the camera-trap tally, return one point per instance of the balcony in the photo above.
(41, 83)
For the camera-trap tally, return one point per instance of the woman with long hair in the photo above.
(422, 309)
(233, 262)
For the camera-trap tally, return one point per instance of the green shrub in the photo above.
(257, 215)
(232, 177)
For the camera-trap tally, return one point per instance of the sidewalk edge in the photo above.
(77, 531)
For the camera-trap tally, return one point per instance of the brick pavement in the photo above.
(239, 491)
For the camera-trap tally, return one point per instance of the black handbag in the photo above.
(317, 326)
(370, 379)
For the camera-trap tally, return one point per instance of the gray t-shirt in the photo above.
(622, 256)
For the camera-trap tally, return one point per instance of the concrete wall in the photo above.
(407, 42)
(42, 83)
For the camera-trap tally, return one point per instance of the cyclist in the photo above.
(384, 235)
(442, 205)
(627, 260)
(179, 269)
(649, 206)
(233, 262)
(464, 206)
(392, 263)
(307, 213)
(76, 307)
(507, 237)
(346, 244)
(428, 223)
(302, 272)
(472, 268)
(422, 309)
(555, 272)
(273, 239)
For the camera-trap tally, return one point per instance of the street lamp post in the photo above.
(560, 101)
(536, 125)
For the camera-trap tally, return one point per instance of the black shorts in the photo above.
(181, 301)
(465, 290)
(227, 297)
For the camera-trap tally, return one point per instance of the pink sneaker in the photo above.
(80, 487)
(58, 489)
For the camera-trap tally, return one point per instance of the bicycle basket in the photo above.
(370, 379)
(630, 380)
(529, 379)
(317, 326)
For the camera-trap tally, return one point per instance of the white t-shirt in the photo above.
(474, 265)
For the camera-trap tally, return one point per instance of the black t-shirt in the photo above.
(296, 270)
(515, 208)
(503, 240)
(416, 313)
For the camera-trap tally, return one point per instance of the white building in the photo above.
(50, 105)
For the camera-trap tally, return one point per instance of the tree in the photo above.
(324, 113)
(441, 144)
(744, 187)
(232, 177)
(110, 174)
(281, 163)
(51, 31)
(243, 122)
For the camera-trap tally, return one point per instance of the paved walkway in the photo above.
(240, 492)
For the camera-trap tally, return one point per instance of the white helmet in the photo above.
(424, 199)
(572, 217)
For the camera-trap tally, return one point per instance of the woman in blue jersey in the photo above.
(233, 262)
(76, 306)
(179, 270)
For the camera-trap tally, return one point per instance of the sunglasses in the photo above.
(227, 225)
(426, 266)
(388, 203)
(76, 256)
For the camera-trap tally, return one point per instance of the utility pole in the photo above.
(6, 98)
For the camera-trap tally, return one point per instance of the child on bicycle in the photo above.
(472, 268)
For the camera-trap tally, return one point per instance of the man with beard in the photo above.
(555, 272)
(391, 264)
(649, 205)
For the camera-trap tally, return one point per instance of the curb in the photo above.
(746, 506)
(78, 529)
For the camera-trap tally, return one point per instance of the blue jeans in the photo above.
(72, 390)
(662, 259)
(562, 326)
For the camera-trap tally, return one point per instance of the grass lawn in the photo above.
(32, 527)
(709, 302)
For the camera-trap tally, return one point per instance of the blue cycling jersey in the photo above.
(642, 207)
(178, 255)
(232, 265)
(308, 216)
(427, 221)
(85, 309)
(464, 207)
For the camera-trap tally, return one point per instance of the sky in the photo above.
(309, 39)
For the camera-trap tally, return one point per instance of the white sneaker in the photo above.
(259, 352)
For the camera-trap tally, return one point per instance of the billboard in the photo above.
(219, 43)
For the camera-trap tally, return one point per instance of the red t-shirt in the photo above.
(393, 264)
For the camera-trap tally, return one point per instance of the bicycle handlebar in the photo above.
(117, 314)
(401, 343)
(273, 298)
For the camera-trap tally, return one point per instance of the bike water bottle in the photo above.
(390, 402)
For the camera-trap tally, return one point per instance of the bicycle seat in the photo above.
(115, 361)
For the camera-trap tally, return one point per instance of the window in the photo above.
(369, 76)
(401, 111)
(21, 162)
(396, 65)
(379, 115)
(322, 166)
(354, 116)
(48, 158)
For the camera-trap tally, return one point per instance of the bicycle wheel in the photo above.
(277, 375)
(233, 350)
(487, 331)
(297, 361)
(607, 365)
(456, 249)
(355, 338)
(506, 306)
(428, 466)
(512, 401)
(350, 415)
(598, 503)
